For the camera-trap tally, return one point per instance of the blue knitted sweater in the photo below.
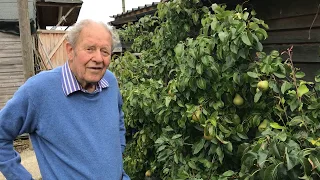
(80, 136)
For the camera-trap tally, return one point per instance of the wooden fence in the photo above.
(51, 47)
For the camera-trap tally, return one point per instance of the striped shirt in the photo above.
(71, 85)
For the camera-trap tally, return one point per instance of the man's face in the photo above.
(90, 57)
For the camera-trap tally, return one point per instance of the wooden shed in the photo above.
(291, 23)
(11, 66)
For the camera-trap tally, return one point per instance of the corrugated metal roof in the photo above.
(135, 9)
(62, 1)
(9, 10)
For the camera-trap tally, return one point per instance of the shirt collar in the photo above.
(71, 85)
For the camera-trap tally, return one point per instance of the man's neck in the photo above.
(90, 87)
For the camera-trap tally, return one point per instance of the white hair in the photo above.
(74, 33)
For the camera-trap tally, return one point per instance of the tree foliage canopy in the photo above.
(193, 106)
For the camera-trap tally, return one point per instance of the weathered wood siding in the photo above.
(293, 23)
(53, 42)
(11, 68)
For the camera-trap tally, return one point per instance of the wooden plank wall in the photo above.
(11, 68)
(50, 39)
(293, 23)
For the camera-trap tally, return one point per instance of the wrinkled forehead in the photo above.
(96, 33)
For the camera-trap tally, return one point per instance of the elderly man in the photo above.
(72, 113)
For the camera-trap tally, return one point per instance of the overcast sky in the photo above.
(101, 10)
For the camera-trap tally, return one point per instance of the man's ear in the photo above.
(70, 51)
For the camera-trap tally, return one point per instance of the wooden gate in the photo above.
(51, 48)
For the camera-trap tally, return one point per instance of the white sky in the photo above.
(101, 10)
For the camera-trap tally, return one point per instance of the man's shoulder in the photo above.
(45, 77)
(110, 77)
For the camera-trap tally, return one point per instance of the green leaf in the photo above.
(214, 7)
(159, 141)
(294, 104)
(183, 174)
(192, 165)
(245, 15)
(179, 49)
(302, 90)
(223, 129)
(295, 121)
(252, 74)
(168, 100)
(201, 83)
(274, 149)
(214, 24)
(197, 147)
(215, 67)
(234, 48)
(266, 68)
(205, 60)
(242, 136)
(286, 86)
(288, 161)
(245, 39)
(249, 158)
(262, 32)
(276, 125)
(161, 148)
(176, 160)
(223, 36)
(257, 96)
(228, 173)
(176, 136)
(195, 17)
(258, 46)
(199, 68)
(300, 74)
(262, 157)
(282, 136)
(143, 137)
(253, 26)
(236, 78)
(315, 161)
(274, 54)
(271, 172)
(317, 78)
(220, 154)
(191, 62)
(229, 147)
(279, 75)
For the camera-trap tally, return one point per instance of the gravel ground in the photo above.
(28, 158)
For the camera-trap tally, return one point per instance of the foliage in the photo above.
(181, 118)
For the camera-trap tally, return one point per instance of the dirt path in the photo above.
(28, 160)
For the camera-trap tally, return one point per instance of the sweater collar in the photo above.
(71, 85)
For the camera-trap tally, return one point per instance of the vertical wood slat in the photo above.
(11, 66)
(50, 40)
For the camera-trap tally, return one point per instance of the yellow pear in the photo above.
(148, 173)
(196, 115)
(263, 85)
(263, 125)
(238, 100)
(206, 135)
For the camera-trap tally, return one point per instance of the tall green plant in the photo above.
(204, 102)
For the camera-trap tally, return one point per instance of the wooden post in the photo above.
(26, 42)
(123, 6)
(25, 37)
